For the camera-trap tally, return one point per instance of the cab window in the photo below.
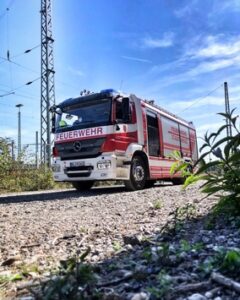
(119, 111)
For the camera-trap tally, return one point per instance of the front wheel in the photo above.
(138, 175)
(82, 185)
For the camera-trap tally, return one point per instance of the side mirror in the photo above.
(54, 110)
(126, 110)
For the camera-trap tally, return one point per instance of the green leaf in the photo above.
(85, 254)
(203, 146)
(234, 121)
(174, 167)
(16, 277)
(220, 130)
(206, 166)
(212, 135)
(223, 140)
(211, 190)
(225, 115)
(227, 149)
(191, 179)
(235, 158)
(201, 158)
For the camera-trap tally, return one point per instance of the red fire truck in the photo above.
(112, 136)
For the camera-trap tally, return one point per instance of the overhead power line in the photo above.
(201, 98)
(9, 57)
(4, 12)
(36, 72)
(7, 94)
(14, 94)
(23, 94)
(26, 51)
(19, 87)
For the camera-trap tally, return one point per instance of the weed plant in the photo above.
(21, 174)
(222, 175)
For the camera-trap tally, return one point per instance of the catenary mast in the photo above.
(47, 81)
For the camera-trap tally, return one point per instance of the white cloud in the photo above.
(201, 68)
(232, 5)
(214, 53)
(234, 89)
(202, 116)
(217, 46)
(192, 74)
(196, 103)
(185, 11)
(183, 105)
(12, 133)
(164, 42)
(214, 65)
(168, 66)
(8, 132)
(137, 59)
(209, 127)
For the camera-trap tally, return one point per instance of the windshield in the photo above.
(83, 115)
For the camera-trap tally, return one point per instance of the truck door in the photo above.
(153, 134)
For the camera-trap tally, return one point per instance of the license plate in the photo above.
(77, 163)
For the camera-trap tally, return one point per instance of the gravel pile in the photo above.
(159, 243)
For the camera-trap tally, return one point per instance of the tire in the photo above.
(82, 185)
(149, 184)
(138, 175)
(178, 181)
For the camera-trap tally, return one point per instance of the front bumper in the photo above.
(104, 167)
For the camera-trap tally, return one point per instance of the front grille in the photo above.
(80, 168)
(87, 149)
(80, 171)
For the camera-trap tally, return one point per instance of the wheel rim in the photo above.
(138, 172)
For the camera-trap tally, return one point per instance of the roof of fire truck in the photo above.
(88, 96)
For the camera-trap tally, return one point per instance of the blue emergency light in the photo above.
(109, 91)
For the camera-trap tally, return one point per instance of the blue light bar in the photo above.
(109, 91)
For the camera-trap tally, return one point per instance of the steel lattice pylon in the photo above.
(47, 80)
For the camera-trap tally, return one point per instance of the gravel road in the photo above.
(43, 228)
(43, 225)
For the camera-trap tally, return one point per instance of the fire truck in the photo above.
(113, 136)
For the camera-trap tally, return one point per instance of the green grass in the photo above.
(157, 204)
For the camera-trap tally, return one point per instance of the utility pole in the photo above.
(19, 129)
(36, 150)
(47, 81)
(227, 109)
(12, 145)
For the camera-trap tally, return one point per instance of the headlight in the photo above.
(104, 164)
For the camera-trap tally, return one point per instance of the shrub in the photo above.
(21, 174)
(222, 175)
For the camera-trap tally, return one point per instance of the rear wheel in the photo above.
(82, 185)
(150, 183)
(178, 181)
(138, 175)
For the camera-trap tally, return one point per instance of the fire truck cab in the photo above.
(112, 136)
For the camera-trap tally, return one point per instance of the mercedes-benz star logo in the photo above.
(77, 146)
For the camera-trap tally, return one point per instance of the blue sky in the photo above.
(172, 51)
